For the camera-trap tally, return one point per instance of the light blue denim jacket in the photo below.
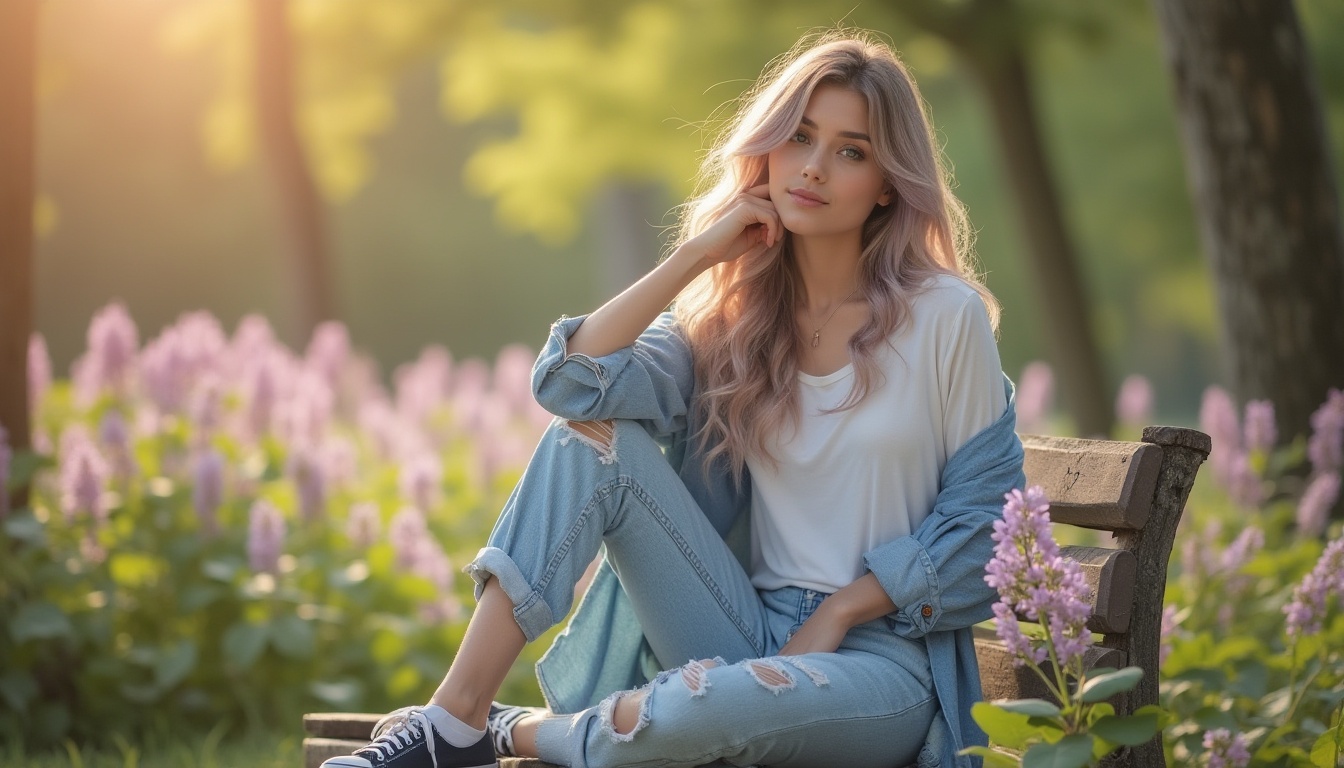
(935, 575)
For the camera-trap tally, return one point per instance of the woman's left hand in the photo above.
(821, 633)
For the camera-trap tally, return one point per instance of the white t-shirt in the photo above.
(849, 481)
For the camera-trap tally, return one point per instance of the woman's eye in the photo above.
(800, 137)
(852, 153)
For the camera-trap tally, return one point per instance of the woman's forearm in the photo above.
(860, 602)
(620, 321)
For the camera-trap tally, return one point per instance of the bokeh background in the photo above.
(484, 169)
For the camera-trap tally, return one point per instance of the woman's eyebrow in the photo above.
(847, 134)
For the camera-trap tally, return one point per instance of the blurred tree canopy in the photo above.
(560, 99)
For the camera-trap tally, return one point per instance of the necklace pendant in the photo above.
(816, 337)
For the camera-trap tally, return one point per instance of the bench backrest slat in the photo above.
(1101, 484)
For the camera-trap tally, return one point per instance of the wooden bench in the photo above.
(1136, 491)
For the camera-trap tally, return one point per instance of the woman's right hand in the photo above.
(749, 226)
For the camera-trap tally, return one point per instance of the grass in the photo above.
(210, 750)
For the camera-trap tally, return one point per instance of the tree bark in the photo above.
(310, 266)
(18, 74)
(1259, 170)
(989, 37)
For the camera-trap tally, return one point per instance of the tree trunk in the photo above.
(18, 65)
(310, 266)
(1063, 298)
(1260, 173)
(989, 36)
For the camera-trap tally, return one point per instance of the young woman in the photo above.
(827, 380)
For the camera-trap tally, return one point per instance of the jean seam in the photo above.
(606, 491)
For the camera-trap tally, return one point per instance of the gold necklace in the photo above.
(816, 333)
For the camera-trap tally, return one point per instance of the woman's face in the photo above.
(824, 180)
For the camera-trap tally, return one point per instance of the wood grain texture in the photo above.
(340, 725)
(1101, 484)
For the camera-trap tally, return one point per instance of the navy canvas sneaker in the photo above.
(406, 739)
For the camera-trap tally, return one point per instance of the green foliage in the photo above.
(153, 621)
(1228, 661)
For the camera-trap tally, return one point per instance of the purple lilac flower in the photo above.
(305, 413)
(39, 372)
(1325, 447)
(1035, 392)
(1226, 750)
(423, 386)
(1170, 628)
(1134, 404)
(1306, 613)
(6, 455)
(340, 461)
(1033, 579)
(420, 480)
(1241, 481)
(207, 490)
(1261, 432)
(1313, 510)
(305, 468)
(113, 343)
(1218, 419)
(406, 531)
(172, 363)
(1242, 549)
(513, 376)
(265, 537)
(115, 435)
(205, 406)
(363, 525)
(83, 476)
(328, 351)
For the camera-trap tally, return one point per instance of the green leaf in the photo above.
(17, 688)
(1074, 751)
(338, 693)
(1128, 731)
(174, 664)
(242, 644)
(1107, 685)
(1007, 729)
(992, 758)
(39, 620)
(1029, 707)
(133, 569)
(24, 527)
(292, 637)
(1325, 753)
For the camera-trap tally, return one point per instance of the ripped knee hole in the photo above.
(599, 435)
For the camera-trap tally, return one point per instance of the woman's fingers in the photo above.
(760, 190)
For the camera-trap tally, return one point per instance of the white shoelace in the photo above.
(399, 729)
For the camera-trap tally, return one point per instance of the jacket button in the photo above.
(927, 611)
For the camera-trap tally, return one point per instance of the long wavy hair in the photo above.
(739, 316)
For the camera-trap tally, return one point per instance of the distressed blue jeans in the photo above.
(726, 697)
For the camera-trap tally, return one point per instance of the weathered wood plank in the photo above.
(999, 679)
(340, 725)
(1101, 484)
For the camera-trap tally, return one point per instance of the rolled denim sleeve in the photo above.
(936, 575)
(650, 380)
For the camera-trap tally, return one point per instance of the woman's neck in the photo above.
(829, 268)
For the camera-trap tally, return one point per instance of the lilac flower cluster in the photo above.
(265, 537)
(1325, 447)
(84, 474)
(1226, 750)
(1134, 403)
(1306, 613)
(1313, 509)
(1230, 458)
(1035, 393)
(1033, 579)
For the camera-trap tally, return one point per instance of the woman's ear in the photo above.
(888, 194)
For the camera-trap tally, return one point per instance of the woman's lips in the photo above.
(805, 199)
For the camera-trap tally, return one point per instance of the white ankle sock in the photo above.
(453, 731)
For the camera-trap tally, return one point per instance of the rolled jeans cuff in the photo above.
(529, 608)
